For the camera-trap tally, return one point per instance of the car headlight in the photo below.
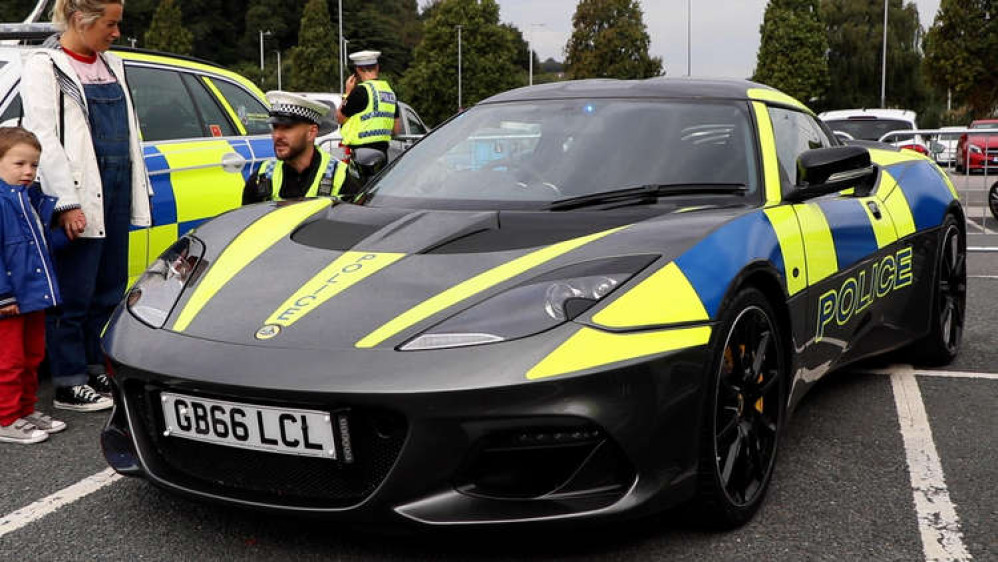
(153, 296)
(976, 149)
(532, 307)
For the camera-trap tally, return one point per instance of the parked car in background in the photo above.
(329, 139)
(948, 142)
(872, 124)
(204, 131)
(978, 151)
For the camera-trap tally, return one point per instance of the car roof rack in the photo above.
(13, 33)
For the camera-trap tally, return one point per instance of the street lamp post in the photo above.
(883, 64)
(460, 106)
(530, 51)
(262, 35)
(279, 70)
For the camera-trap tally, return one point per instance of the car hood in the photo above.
(321, 275)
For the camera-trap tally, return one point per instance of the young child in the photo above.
(27, 287)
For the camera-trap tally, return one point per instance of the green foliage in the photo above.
(167, 32)
(390, 26)
(792, 53)
(609, 40)
(314, 60)
(855, 39)
(489, 59)
(14, 11)
(961, 53)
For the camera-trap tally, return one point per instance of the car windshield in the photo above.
(984, 126)
(528, 154)
(870, 129)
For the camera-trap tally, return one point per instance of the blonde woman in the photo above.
(77, 103)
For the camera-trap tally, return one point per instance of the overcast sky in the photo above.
(724, 38)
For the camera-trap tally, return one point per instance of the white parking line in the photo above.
(938, 523)
(14, 521)
(909, 370)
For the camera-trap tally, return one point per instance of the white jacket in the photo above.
(70, 172)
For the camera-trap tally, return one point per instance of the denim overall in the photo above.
(93, 272)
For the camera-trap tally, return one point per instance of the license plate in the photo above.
(249, 426)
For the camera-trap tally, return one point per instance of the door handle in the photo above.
(874, 208)
(233, 162)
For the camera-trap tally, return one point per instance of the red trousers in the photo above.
(22, 348)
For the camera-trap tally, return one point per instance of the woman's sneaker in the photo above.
(81, 398)
(45, 422)
(22, 431)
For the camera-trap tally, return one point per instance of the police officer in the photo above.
(301, 168)
(369, 113)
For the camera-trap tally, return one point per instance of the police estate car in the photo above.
(204, 130)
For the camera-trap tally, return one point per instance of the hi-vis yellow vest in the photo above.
(376, 122)
(327, 182)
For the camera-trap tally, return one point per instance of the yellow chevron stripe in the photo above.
(246, 247)
(819, 247)
(475, 285)
(770, 165)
(589, 348)
(665, 297)
(888, 157)
(787, 229)
(344, 272)
(900, 211)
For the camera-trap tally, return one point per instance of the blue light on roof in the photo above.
(589, 108)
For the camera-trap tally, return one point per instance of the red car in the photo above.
(979, 151)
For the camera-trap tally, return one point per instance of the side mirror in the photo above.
(936, 147)
(821, 171)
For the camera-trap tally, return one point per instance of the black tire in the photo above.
(743, 414)
(949, 299)
(993, 200)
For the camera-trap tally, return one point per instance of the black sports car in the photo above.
(576, 300)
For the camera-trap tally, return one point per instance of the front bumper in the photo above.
(600, 444)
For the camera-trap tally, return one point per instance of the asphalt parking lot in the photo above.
(882, 462)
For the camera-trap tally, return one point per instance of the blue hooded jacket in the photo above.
(27, 277)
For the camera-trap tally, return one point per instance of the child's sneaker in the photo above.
(81, 398)
(22, 431)
(45, 422)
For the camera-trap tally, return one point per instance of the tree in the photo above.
(392, 27)
(314, 60)
(609, 40)
(961, 50)
(14, 11)
(167, 32)
(792, 54)
(855, 39)
(489, 63)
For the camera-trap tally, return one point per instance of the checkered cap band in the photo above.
(295, 112)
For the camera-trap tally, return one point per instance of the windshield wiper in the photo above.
(650, 192)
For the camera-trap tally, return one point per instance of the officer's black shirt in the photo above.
(356, 103)
(293, 185)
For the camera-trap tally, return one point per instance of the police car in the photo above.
(578, 300)
(204, 131)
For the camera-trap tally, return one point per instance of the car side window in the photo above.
(251, 112)
(163, 104)
(413, 124)
(214, 121)
(795, 133)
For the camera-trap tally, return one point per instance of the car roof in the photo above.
(869, 113)
(661, 87)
